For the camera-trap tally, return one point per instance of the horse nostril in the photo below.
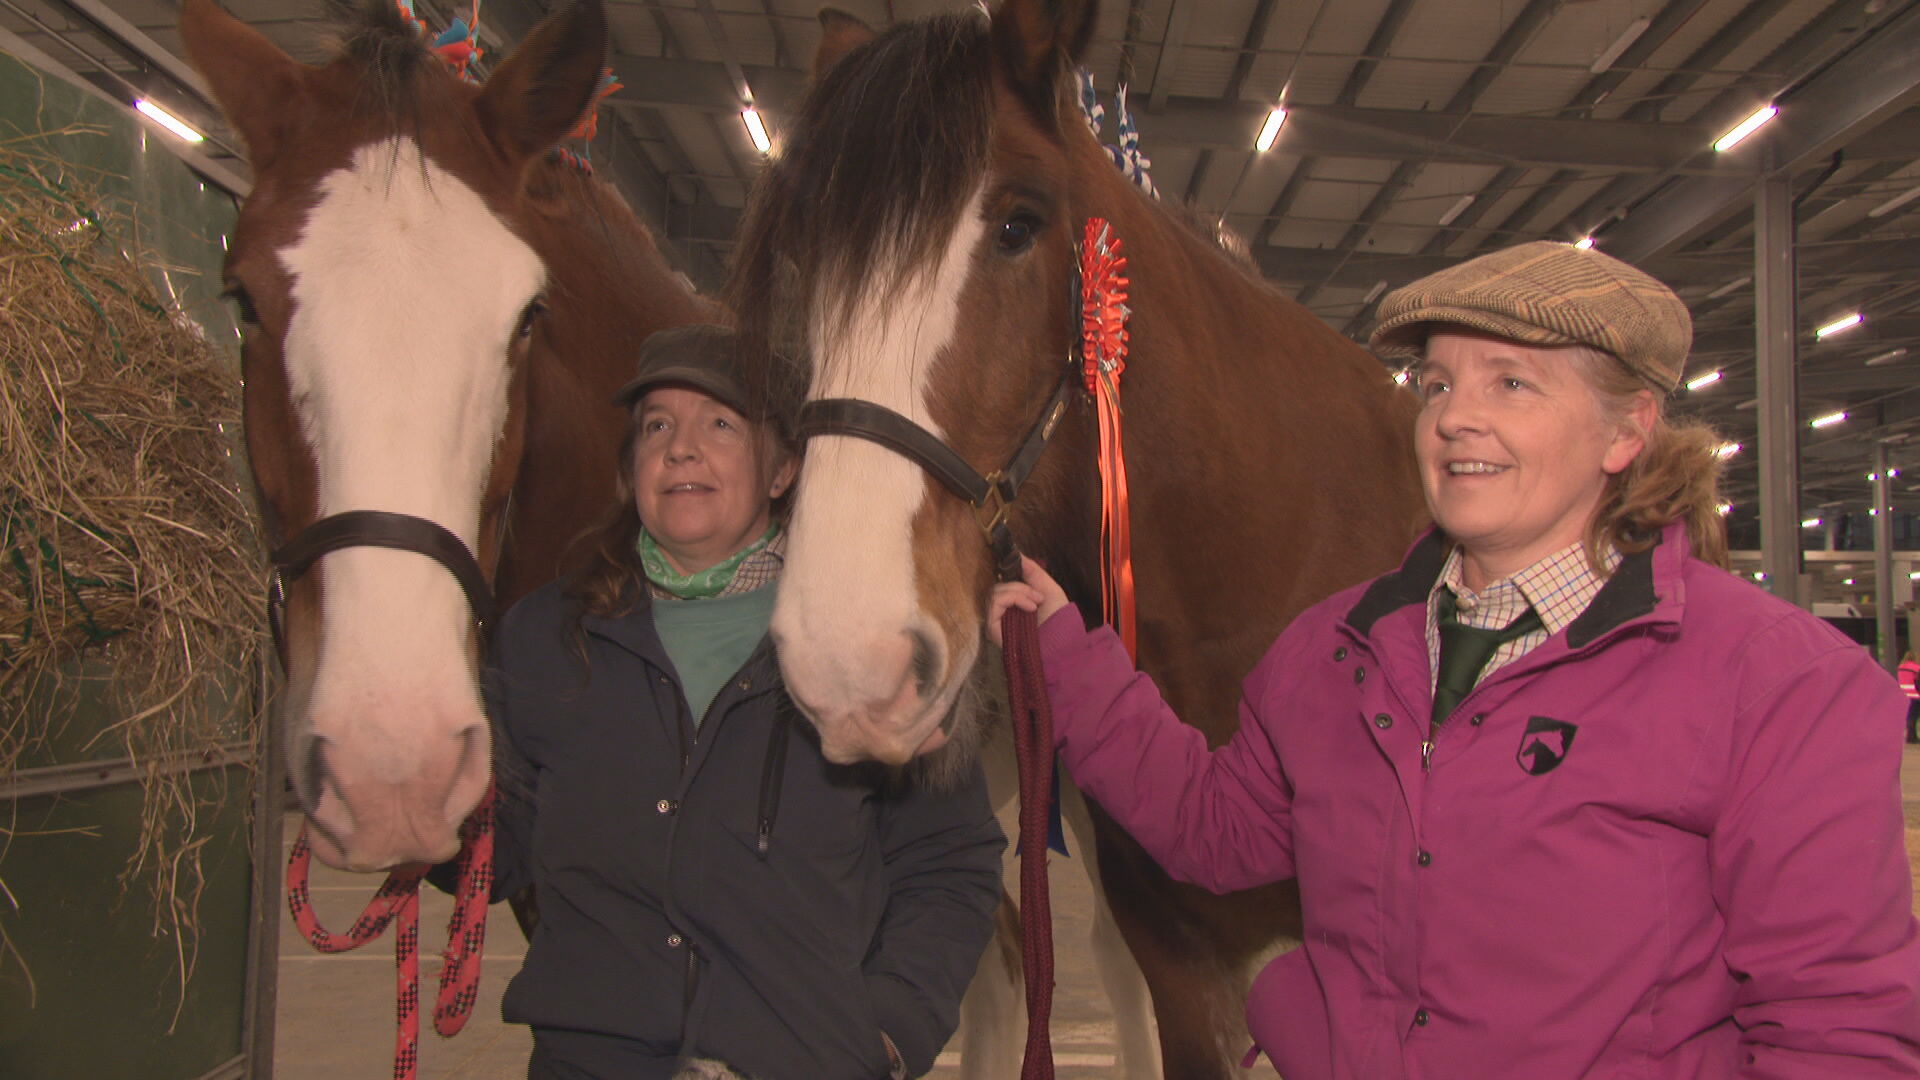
(311, 777)
(925, 664)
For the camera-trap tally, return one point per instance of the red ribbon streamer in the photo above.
(1103, 350)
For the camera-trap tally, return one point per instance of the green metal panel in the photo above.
(104, 996)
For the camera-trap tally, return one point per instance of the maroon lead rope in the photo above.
(1032, 718)
(399, 896)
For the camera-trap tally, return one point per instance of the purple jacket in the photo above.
(1666, 844)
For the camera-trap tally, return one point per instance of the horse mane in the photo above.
(835, 204)
(393, 61)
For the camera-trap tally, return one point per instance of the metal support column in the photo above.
(263, 932)
(1883, 558)
(1774, 293)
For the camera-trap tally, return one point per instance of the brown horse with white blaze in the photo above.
(435, 317)
(926, 208)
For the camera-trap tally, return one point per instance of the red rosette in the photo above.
(1103, 305)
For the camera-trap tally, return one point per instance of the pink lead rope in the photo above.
(399, 896)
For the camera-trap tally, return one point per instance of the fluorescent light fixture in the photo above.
(1873, 511)
(1381, 286)
(1894, 203)
(1846, 581)
(1810, 523)
(1915, 576)
(1758, 576)
(167, 120)
(1828, 420)
(1583, 243)
(1728, 287)
(1706, 380)
(1844, 322)
(1887, 357)
(1745, 128)
(1725, 508)
(1872, 476)
(1726, 450)
(1270, 130)
(1403, 376)
(1627, 37)
(1457, 209)
(756, 130)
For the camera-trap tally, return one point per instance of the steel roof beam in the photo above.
(1877, 78)
(1327, 130)
(1255, 36)
(1459, 110)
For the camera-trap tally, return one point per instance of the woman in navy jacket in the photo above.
(710, 888)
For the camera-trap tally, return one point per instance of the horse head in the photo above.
(923, 208)
(391, 305)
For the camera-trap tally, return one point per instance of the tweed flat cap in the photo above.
(1546, 293)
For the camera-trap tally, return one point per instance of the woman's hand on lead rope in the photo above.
(1036, 592)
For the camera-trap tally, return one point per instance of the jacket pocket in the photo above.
(1287, 1016)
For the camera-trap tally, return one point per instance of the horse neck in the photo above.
(609, 287)
(1269, 459)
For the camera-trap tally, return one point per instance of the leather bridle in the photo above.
(991, 495)
(381, 529)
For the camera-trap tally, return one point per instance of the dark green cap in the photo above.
(709, 359)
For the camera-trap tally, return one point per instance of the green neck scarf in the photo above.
(703, 584)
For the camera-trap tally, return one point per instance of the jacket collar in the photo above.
(633, 631)
(1641, 583)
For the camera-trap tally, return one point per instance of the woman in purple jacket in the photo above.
(1564, 798)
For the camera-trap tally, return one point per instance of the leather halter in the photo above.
(991, 495)
(382, 529)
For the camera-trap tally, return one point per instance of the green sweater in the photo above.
(709, 640)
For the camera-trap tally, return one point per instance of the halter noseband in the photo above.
(991, 495)
(382, 529)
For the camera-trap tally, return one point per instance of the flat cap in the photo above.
(710, 359)
(1546, 293)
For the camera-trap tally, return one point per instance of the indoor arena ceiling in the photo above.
(1419, 132)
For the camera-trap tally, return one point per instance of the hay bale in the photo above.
(125, 532)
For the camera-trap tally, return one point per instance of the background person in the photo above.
(1908, 673)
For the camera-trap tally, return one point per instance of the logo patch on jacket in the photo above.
(1545, 744)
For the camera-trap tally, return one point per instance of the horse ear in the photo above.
(252, 79)
(538, 95)
(1038, 40)
(840, 34)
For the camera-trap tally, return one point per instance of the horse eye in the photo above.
(243, 305)
(1017, 234)
(532, 312)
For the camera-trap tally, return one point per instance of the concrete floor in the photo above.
(335, 1017)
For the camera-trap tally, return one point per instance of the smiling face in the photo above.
(1515, 449)
(704, 477)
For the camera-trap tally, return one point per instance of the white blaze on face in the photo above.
(406, 291)
(847, 595)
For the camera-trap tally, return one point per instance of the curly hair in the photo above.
(1675, 478)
